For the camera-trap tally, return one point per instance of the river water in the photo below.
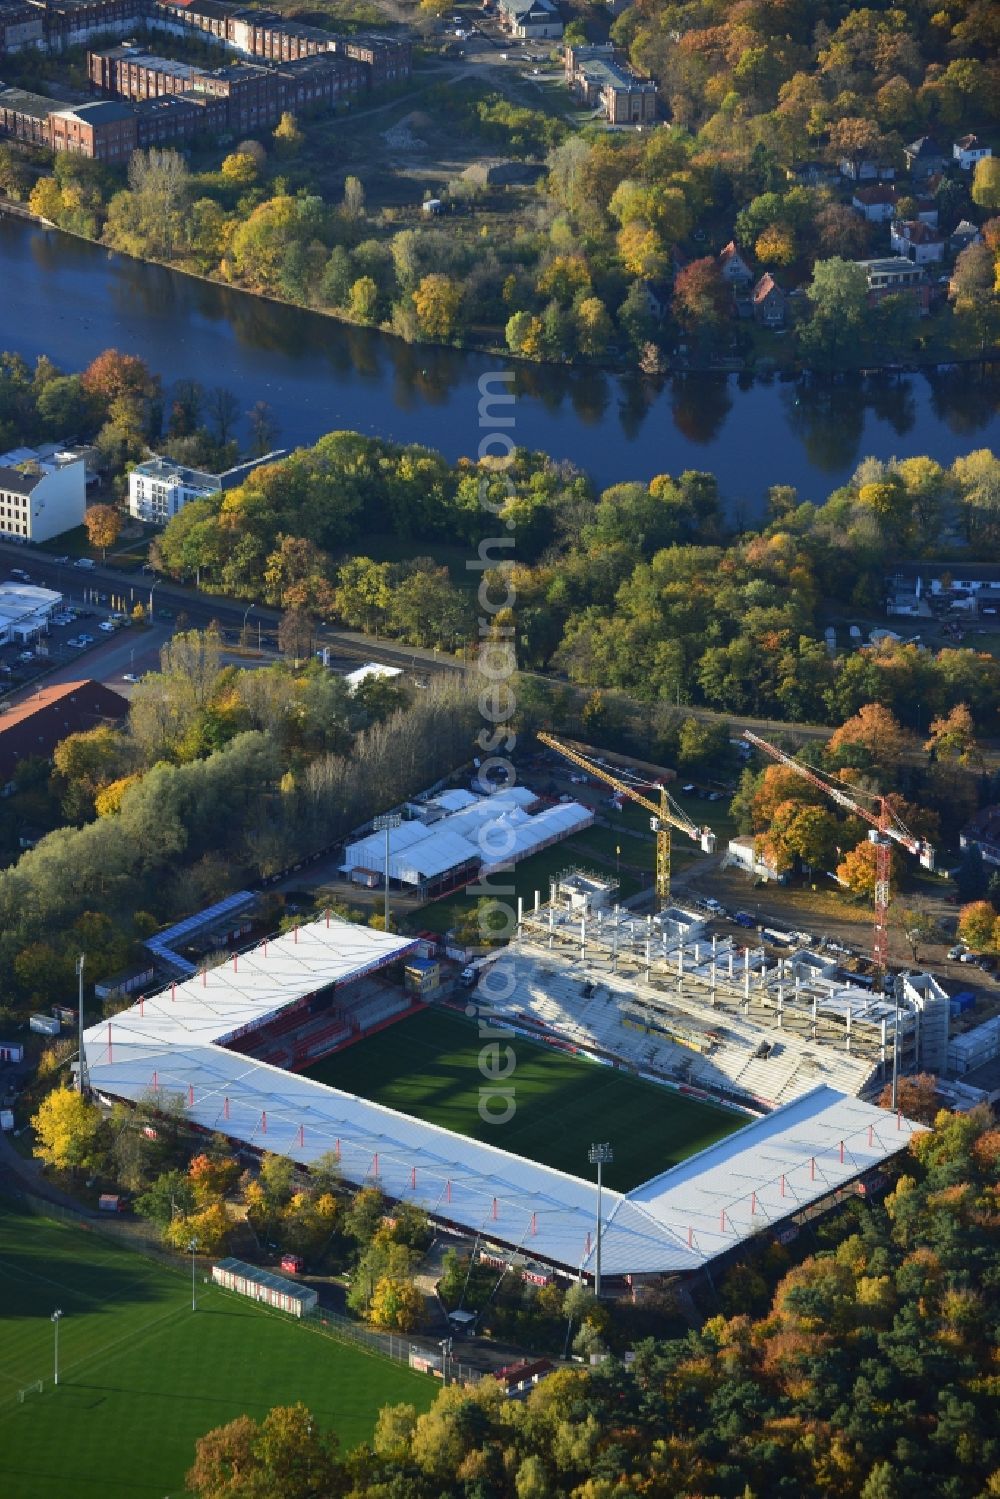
(70, 299)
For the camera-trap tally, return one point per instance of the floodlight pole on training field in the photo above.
(81, 1066)
(385, 822)
(56, 1315)
(599, 1155)
(193, 1246)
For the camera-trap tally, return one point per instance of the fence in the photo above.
(143, 1239)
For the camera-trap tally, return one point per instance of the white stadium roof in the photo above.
(764, 1172)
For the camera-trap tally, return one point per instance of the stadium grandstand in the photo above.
(189, 1042)
(672, 1002)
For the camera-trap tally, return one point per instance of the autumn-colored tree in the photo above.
(976, 923)
(239, 169)
(857, 869)
(776, 245)
(104, 524)
(701, 298)
(396, 1304)
(953, 736)
(875, 730)
(917, 1097)
(287, 136)
(856, 139)
(212, 1177)
(209, 1228)
(363, 300)
(437, 300)
(69, 1131)
(986, 183)
(113, 376)
(777, 785)
(108, 800)
(287, 1455)
(642, 251)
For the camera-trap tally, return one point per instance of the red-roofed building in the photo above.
(734, 267)
(919, 242)
(769, 302)
(31, 729)
(877, 204)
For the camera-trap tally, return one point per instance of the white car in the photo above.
(85, 639)
(107, 627)
(129, 676)
(967, 957)
(955, 953)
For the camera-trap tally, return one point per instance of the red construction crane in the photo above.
(887, 828)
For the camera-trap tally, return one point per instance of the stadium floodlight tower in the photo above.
(385, 822)
(599, 1156)
(82, 1081)
(56, 1315)
(193, 1246)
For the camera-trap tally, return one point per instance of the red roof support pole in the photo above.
(173, 990)
(302, 1134)
(782, 1184)
(109, 1041)
(722, 1221)
(812, 1168)
(263, 1121)
(338, 1150)
(204, 977)
(753, 1203)
(235, 963)
(899, 1119)
(155, 1082)
(588, 1243)
(265, 947)
(225, 1108)
(534, 1223)
(495, 1213)
(841, 1152)
(413, 1176)
(375, 1164)
(296, 930)
(328, 917)
(690, 1237)
(447, 1193)
(142, 1001)
(871, 1134)
(190, 1095)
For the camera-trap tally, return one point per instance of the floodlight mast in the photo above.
(665, 815)
(385, 822)
(599, 1155)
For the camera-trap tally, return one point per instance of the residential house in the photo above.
(658, 295)
(866, 171)
(962, 236)
(159, 488)
(43, 492)
(769, 302)
(33, 728)
(919, 242)
(742, 851)
(531, 19)
(877, 204)
(969, 149)
(892, 274)
(983, 832)
(810, 174)
(734, 268)
(924, 157)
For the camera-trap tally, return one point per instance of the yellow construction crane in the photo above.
(665, 816)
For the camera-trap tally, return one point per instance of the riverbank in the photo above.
(766, 365)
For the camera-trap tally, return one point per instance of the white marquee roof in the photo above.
(677, 1221)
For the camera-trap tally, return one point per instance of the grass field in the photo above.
(142, 1376)
(427, 1066)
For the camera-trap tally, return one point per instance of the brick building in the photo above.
(26, 116)
(21, 27)
(599, 79)
(32, 729)
(104, 131)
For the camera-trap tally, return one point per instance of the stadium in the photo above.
(581, 977)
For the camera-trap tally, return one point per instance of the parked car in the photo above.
(107, 626)
(85, 639)
(129, 676)
(967, 957)
(87, 562)
(743, 918)
(712, 904)
(955, 953)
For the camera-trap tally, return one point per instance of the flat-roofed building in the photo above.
(159, 488)
(21, 27)
(25, 116)
(104, 131)
(43, 492)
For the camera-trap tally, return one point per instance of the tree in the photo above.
(776, 245)
(593, 328)
(171, 1193)
(287, 136)
(296, 633)
(287, 1455)
(986, 183)
(874, 730)
(858, 870)
(363, 303)
(104, 524)
(701, 298)
(917, 1097)
(918, 926)
(69, 1131)
(437, 301)
(838, 293)
(976, 923)
(857, 140)
(354, 198)
(642, 251)
(953, 736)
(396, 1304)
(239, 169)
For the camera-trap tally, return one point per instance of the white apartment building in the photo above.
(43, 492)
(159, 488)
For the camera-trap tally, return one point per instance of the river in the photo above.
(71, 299)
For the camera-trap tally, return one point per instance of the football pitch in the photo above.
(428, 1066)
(141, 1376)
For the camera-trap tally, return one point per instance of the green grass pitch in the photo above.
(142, 1376)
(428, 1066)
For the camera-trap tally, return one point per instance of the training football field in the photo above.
(428, 1066)
(142, 1376)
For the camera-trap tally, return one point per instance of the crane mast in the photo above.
(663, 815)
(886, 828)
